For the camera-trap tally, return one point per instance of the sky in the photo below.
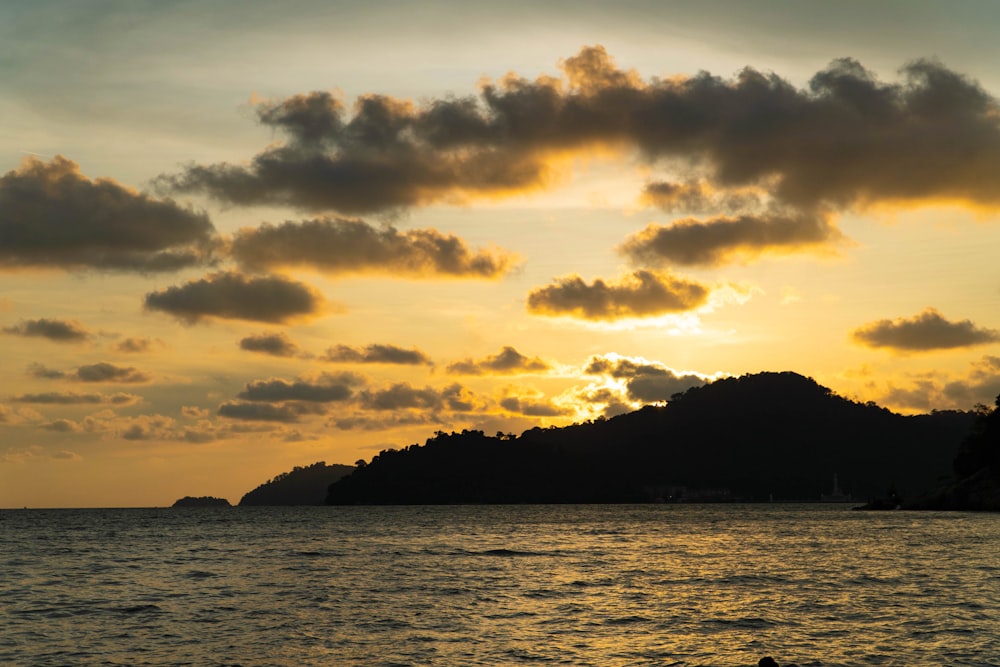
(239, 237)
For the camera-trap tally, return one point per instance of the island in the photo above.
(201, 501)
(303, 485)
(756, 438)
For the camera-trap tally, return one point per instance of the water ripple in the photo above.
(456, 586)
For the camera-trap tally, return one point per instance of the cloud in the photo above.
(326, 388)
(62, 426)
(235, 296)
(62, 331)
(612, 400)
(20, 454)
(707, 242)
(51, 215)
(99, 372)
(337, 246)
(266, 412)
(981, 385)
(383, 421)
(376, 354)
(459, 399)
(846, 139)
(531, 407)
(73, 398)
(661, 386)
(277, 344)
(195, 412)
(697, 197)
(921, 395)
(42, 372)
(402, 395)
(640, 294)
(19, 415)
(148, 427)
(105, 372)
(508, 361)
(199, 436)
(645, 382)
(941, 390)
(137, 345)
(278, 400)
(924, 332)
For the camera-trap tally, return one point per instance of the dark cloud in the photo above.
(199, 437)
(532, 408)
(407, 405)
(384, 421)
(194, 412)
(653, 388)
(458, 399)
(645, 382)
(697, 197)
(927, 331)
(72, 398)
(847, 139)
(136, 345)
(507, 362)
(121, 398)
(99, 372)
(691, 241)
(51, 215)
(105, 372)
(266, 412)
(641, 294)
(63, 331)
(138, 432)
(325, 389)
(981, 385)
(335, 245)
(919, 396)
(62, 426)
(276, 344)
(402, 395)
(611, 400)
(42, 372)
(376, 354)
(235, 296)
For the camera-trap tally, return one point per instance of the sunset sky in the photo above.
(238, 237)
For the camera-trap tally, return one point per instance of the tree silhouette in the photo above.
(981, 449)
(738, 438)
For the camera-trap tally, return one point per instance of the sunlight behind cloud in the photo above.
(464, 207)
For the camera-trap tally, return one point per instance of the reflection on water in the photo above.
(499, 585)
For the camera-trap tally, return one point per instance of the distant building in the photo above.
(837, 496)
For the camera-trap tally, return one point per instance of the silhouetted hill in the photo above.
(301, 486)
(745, 438)
(976, 483)
(201, 501)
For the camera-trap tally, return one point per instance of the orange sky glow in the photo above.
(231, 247)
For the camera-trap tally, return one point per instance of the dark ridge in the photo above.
(201, 501)
(975, 485)
(301, 486)
(777, 436)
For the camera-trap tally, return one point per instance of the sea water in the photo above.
(499, 585)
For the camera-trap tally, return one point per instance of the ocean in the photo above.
(579, 585)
